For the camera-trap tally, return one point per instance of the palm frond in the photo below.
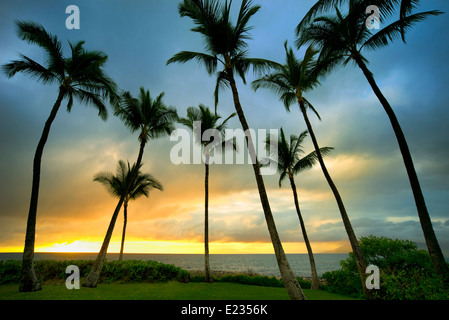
(396, 29)
(89, 97)
(31, 68)
(210, 62)
(307, 162)
(319, 7)
(309, 105)
(35, 33)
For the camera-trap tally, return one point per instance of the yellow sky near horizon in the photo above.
(173, 221)
(180, 247)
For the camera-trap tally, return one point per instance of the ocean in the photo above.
(264, 264)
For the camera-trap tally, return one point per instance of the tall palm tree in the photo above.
(289, 163)
(225, 44)
(341, 39)
(79, 76)
(203, 117)
(153, 119)
(117, 185)
(291, 82)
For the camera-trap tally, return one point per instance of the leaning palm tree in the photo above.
(153, 119)
(341, 39)
(79, 76)
(117, 185)
(291, 82)
(225, 44)
(289, 163)
(201, 120)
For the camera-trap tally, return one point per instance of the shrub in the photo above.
(10, 271)
(343, 282)
(255, 280)
(406, 273)
(125, 271)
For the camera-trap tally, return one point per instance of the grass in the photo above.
(162, 291)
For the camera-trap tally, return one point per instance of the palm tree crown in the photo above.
(386, 9)
(79, 76)
(342, 38)
(151, 116)
(224, 41)
(293, 79)
(208, 121)
(290, 160)
(117, 184)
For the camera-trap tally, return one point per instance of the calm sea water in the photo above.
(264, 264)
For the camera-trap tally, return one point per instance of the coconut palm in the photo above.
(201, 120)
(291, 82)
(117, 185)
(341, 39)
(289, 163)
(225, 45)
(153, 119)
(79, 76)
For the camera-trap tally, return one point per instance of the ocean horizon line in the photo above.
(161, 253)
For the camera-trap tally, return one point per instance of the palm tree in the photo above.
(154, 120)
(225, 44)
(117, 185)
(79, 76)
(207, 121)
(341, 39)
(294, 79)
(289, 163)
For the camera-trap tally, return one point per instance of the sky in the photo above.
(139, 37)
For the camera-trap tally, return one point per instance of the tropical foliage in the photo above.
(406, 273)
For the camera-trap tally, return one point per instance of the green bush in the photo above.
(10, 271)
(256, 280)
(125, 271)
(305, 284)
(343, 282)
(406, 273)
(250, 279)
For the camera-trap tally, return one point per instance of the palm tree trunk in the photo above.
(315, 280)
(28, 279)
(206, 224)
(290, 282)
(360, 260)
(91, 280)
(440, 266)
(125, 221)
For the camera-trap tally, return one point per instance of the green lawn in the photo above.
(162, 291)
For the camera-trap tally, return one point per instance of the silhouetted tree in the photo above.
(79, 76)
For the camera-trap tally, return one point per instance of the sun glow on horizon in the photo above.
(185, 247)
